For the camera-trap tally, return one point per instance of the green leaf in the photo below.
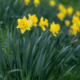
(67, 72)
(15, 70)
(1, 76)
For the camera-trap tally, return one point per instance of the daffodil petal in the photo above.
(43, 28)
(23, 30)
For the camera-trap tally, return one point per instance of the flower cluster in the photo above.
(75, 27)
(37, 2)
(26, 24)
(63, 11)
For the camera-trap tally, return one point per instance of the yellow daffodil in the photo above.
(43, 23)
(27, 2)
(75, 19)
(67, 23)
(36, 2)
(79, 23)
(75, 29)
(34, 19)
(54, 28)
(24, 24)
(52, 3)
(78, 13)
(61, 16)
(70, 10)
(61, 7)
(64, 10)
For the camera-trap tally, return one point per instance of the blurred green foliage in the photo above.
(74, 3)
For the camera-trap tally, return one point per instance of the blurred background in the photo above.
(74, 3)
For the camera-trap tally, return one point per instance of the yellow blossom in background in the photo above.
(70, 10)
(54, 28)
(74, 29)
(52, 3)
(75, 19)
(36, 2)
(67, 23)
(24, 24)
(27, 2)
(61, 16)
(34, 19)
(78, 13)
(79, 23)
(64, 10)
(43, 23)
(61, 7)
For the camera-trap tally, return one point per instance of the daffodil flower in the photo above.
(54, 28)
(52, 3)
(67, 23)
(74, 29)
(78, 13)
(43, 23)
(27, 2)
(61, 7)
(24, 24)
(75, 19)
(70, 10)
(34, 19)
(61, 16)
(36, 2)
